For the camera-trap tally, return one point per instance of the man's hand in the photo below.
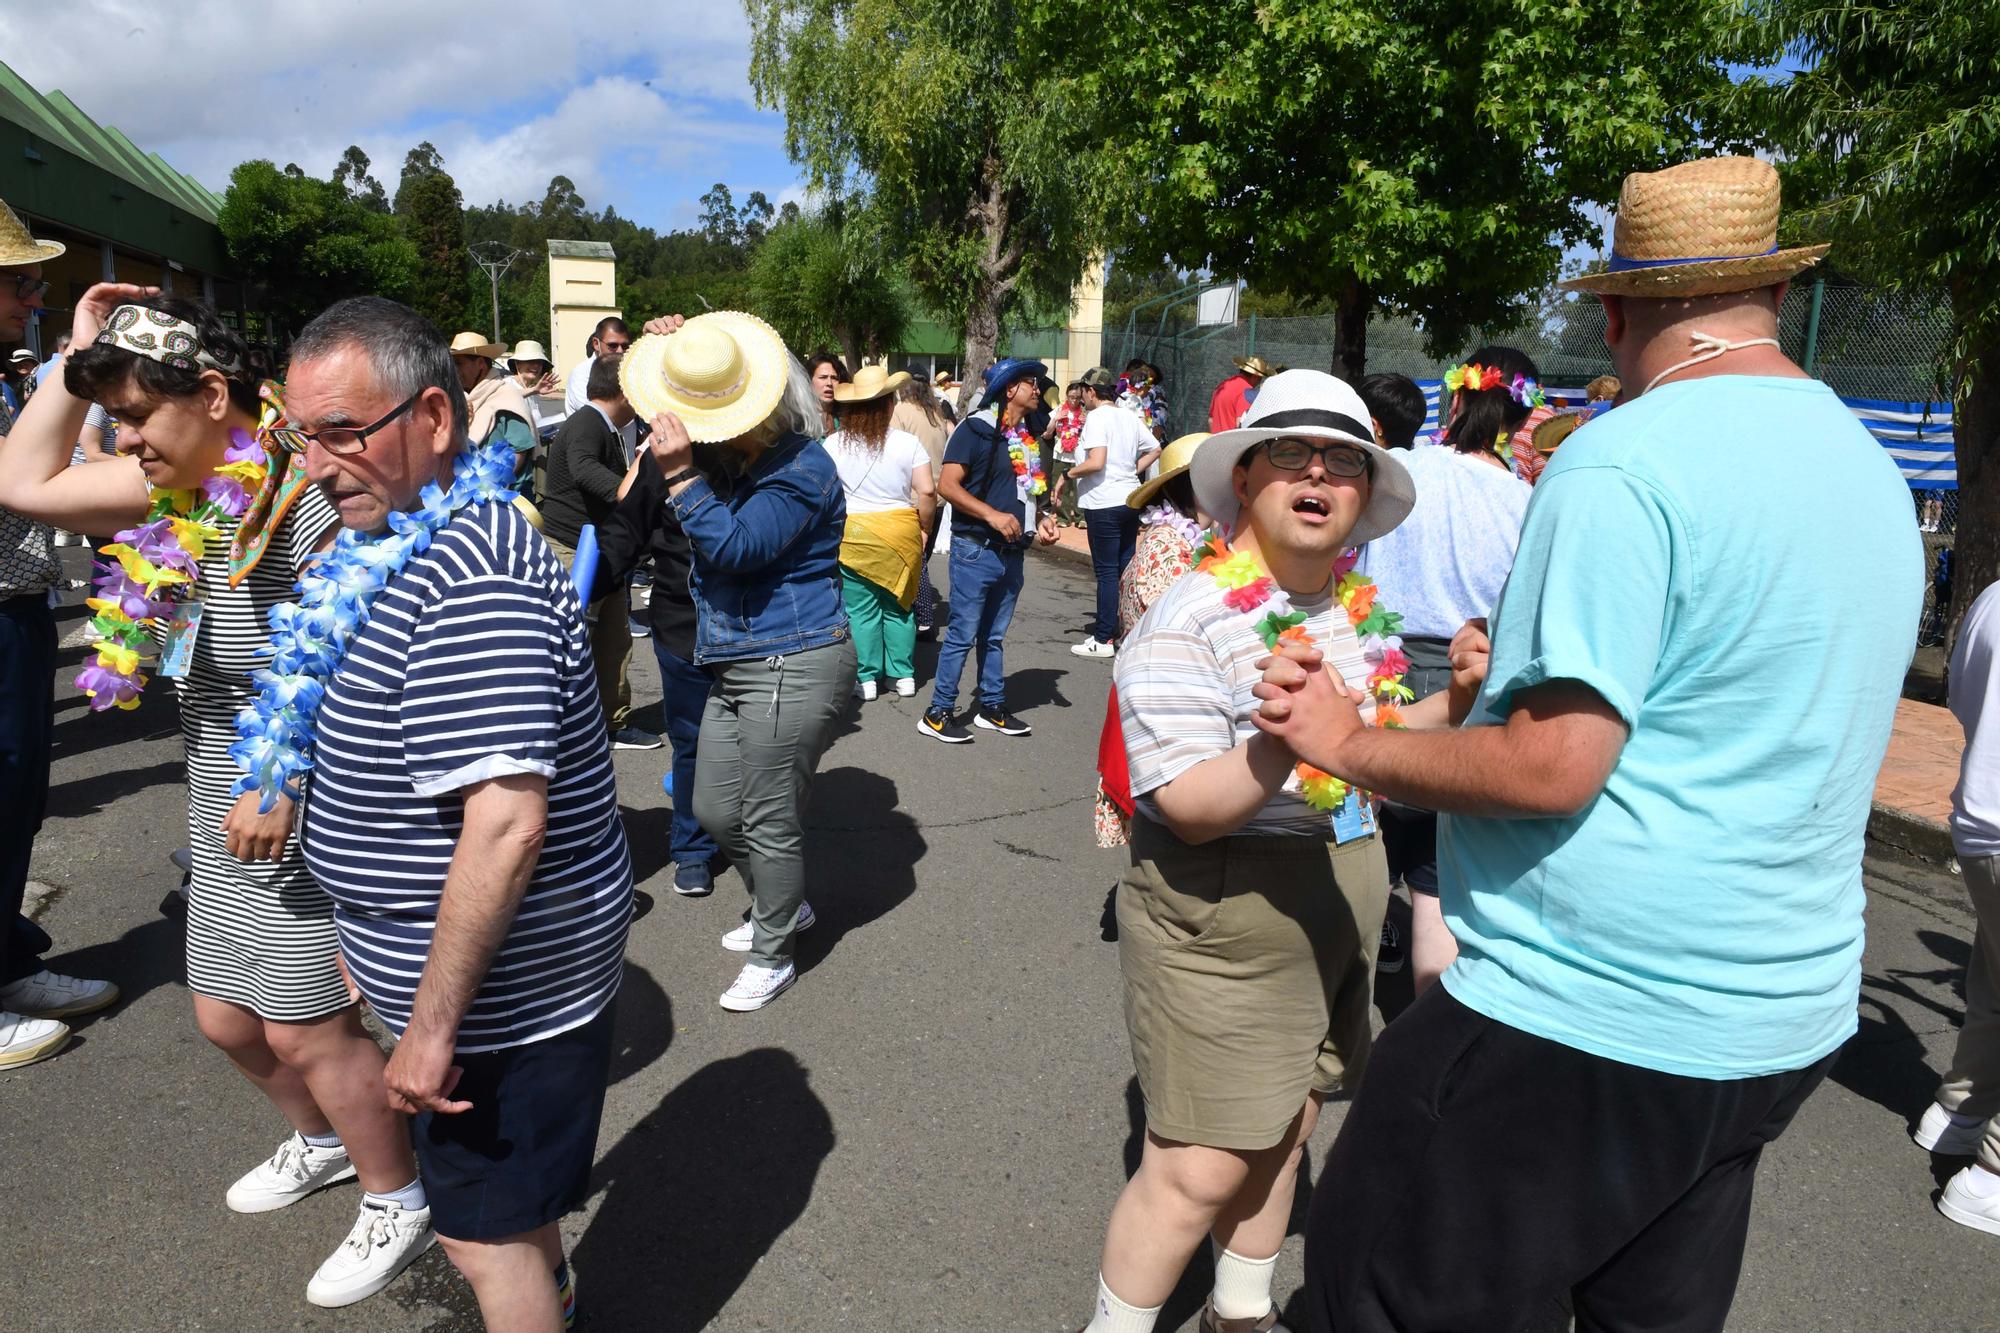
(1006, 525)
(421, 1076)
(254, 837)
(1471, 657)
(1305, 705)
(672, 449)
(665, 324)
(94, 307)
(1045, 530)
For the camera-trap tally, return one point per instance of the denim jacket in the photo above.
(767, 560)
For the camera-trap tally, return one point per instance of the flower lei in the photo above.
(1069, 430)
(1248, 589)
(1475, 378)
(1164, 515)
(1026, 457)
(147, 570)
(310, 637)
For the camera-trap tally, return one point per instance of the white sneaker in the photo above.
(756, 986)
(1094, 647)
(740, 939)
(294, 1171)
(1947, 1133)
(1961, 1205)
(52, 995)
(25, 1040)
(384, 1241)
(906, 687)
(866, 690)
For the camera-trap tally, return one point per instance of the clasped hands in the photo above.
(1314, 712)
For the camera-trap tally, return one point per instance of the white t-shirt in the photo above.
(1123, 437)
(1975, 690)
(1446, 563)
(877, 481)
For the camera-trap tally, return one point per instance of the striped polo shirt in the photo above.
(1184, 675)
(473, 665)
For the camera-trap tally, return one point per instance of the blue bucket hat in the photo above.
(1005, 372)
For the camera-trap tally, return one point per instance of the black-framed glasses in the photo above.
(338, 439)
(27, 288)
(1291, 454)
(611, 348)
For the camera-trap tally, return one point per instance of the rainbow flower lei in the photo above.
(149, 569)
(1475, 378)
(1247, 588)
(1026, 457)
(310, 637)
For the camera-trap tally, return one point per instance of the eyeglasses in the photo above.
(27, 288)
(337, 439)
(611, 348)
(1288, 454)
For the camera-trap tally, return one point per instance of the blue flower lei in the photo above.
(310, 636)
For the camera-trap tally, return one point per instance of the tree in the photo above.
(310, 242)
(718, 216)
(351, 174)
(562, 207)
(1399, 156)
(980, 130)
(823, 281)
(1893, 130)
(421, 161)
(433, 216)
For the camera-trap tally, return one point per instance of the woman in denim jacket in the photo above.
(771, 627)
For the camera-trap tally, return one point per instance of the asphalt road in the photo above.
(926, 1133)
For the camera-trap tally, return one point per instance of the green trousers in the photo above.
(885, 635)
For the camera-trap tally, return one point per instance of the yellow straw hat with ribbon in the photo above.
(870, 382)
(722, 374)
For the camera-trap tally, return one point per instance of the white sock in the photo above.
(1242, 1286)
(410, 1198)
(323, 1142)
(1115, 1316)
(1979, 1182)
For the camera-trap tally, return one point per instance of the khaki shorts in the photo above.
(1249, 967)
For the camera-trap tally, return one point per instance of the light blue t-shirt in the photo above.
(1733, 564)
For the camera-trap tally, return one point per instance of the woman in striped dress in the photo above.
(261, 948)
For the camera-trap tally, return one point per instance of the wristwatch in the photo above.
(685, 474)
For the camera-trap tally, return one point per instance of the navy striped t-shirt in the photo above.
(474, 664)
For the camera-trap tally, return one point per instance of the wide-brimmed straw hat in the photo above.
(528, 350)
(1549, 434)
(17, 248)
(1698, 229)
(870, 382)
(471, 344)
(1175, 459)
(1255, 365)
(1313, 404)
(722, 374)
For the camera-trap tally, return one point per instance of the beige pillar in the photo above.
(583, 288)
(1086, 325)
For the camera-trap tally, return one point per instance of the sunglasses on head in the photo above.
(1289, 453)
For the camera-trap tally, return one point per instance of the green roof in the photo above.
(58, 119)
(581, 250)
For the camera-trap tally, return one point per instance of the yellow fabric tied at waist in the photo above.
(885, 548)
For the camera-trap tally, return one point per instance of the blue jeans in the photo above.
(1113, 533)
(683, 693)
(27, 727)
(984, 586)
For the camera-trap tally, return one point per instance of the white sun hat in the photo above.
(722, 374)
(1315, 405)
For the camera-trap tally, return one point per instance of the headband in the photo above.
(1475, 378)
(1311, 416)
(159, 336)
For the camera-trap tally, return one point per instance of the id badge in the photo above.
(1354, 819)
(177, 654)
(1028, 523)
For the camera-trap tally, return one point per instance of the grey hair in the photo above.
(405, 350)
(798, 411)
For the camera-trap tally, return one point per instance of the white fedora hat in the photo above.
(1313, 404)
(722, 374)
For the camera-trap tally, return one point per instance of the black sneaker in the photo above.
(937, 723)
(1003, 722)
(634, 739)
(1390, 955)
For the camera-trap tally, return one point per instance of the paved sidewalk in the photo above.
(1913, 790)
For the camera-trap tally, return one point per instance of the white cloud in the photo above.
(509, 98)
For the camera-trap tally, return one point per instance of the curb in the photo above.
(1063, 553)
(1926, 839)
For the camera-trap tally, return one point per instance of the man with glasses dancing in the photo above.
(1249, 918)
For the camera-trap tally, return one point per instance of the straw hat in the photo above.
(1175, 459)
(869, 382)
(17, 248)
(722, 374)
(528, 350)
(1550, 434)
(1702, 228)
(1255, 365)
(1313, 404)
(471, 344)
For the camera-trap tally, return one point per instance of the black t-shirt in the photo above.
(976, 446)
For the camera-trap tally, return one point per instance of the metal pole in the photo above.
(495, 263)
(1812, 325)
(495, 275)
(1251, 350)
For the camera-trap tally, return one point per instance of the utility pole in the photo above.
(496, 257)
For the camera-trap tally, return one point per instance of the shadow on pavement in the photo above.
(88, 795)
(698, 1192)
(1035, 687)
(149, 955)
(861, 856)
(643, 1026)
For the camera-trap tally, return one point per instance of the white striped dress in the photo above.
(259, 934)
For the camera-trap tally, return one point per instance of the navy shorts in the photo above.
(520, 1158)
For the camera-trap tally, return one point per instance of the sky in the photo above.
(643, 106)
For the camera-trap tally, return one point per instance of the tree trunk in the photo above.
(982, 340)
(851, 343)
(989, 211)
(1976, 545)
(1350, 329)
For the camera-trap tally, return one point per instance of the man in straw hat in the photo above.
(1232, 397)
(33, 1000)
(1651, 849)
(1248, 918)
